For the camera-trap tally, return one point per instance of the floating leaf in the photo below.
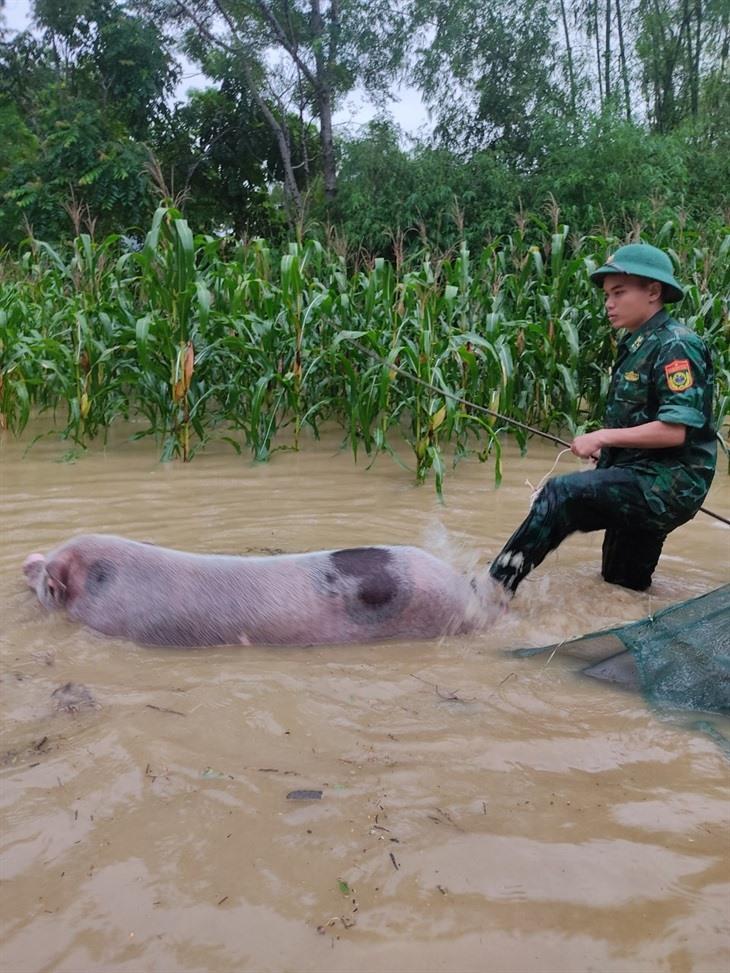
(209, 773)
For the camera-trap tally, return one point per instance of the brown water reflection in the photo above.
(486, 814)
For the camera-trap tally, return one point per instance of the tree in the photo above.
(218, 152)
(650, 58)
(489, 70)
(87, 91)
(679, 44)
(81, 171)
(389, 195)
(104, 52)
(296, 56)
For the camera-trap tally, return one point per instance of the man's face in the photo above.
(630, 301)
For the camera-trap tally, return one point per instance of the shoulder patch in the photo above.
(679, 375)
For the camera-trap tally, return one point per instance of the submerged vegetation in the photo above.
(205, 339)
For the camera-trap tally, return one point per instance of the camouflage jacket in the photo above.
(663, 371)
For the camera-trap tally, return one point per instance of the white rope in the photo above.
(536, 490)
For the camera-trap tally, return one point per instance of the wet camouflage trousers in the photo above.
(609, 499)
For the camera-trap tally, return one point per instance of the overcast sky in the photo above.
(408, 111)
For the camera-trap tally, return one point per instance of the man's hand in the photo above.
(588, 446)
(649, 435)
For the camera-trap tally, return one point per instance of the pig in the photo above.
(159, 596)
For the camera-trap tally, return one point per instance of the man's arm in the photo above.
(649, 435)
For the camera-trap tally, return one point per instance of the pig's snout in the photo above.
(32, 567)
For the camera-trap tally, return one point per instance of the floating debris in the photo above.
(210, 773)
(165, 709)
(304, 796)
(73, 697)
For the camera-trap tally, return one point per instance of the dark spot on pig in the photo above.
(377, 591)
(100, 573)
(372, 587)
(361, 562)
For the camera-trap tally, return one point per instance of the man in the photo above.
(656, 453)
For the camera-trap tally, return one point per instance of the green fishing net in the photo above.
(678, 657)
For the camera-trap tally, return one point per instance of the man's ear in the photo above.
(656, 292)
(56, 578)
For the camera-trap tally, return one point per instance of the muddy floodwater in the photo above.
(477, 812)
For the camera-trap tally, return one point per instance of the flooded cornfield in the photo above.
(466, 810)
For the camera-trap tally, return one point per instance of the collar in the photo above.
(634, 339)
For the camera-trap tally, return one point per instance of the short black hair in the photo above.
(666, 290)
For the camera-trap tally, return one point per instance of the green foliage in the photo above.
(614, 171)
(616, 108)
(376, 177)
(429, 192)
(617, 173)
(17, 142)
(296, 58)
(488, 71)
(611, 174)
(81, 170)
(682, 50)
(84, 95)
(500, 73)
(220, 158)
(251, 343)
(130, 62)
(111, 55)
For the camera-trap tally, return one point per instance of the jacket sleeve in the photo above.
(680, 375)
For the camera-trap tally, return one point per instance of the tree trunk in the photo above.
(597, 32)
(622, 55)
(569, 50)
(671, 113)
(279, 129)
(664, 62)
(329, 167)
(281, 134)
(697, 59)
(319, 80)
(324, 106)
(607, 63)
(303, 128)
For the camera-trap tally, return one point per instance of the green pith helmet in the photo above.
(642, 260)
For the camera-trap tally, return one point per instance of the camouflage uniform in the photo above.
(663, 372)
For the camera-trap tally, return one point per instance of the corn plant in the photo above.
(203, 338)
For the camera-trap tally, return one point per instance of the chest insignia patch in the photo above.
(638, 343)
(679, 375)
(631, 376)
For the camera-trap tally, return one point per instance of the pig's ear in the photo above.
(56, 577)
